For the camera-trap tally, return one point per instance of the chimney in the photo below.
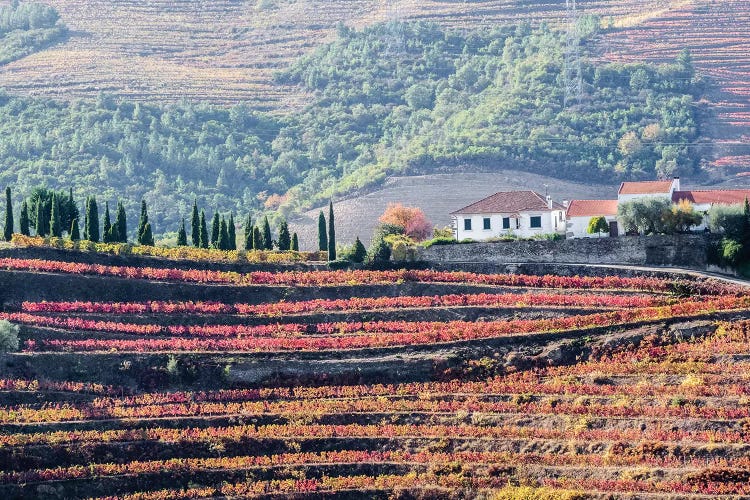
(566, 203)
(676, 184)
(549, 201)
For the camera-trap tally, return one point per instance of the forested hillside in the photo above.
(393, 98)
(27, 28)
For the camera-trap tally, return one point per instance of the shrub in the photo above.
(439, 240)
(8, 336)
(731, 250)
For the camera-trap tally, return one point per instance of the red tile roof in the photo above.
(713, 196)
(645, 187)
(510, 202)
(592, 208)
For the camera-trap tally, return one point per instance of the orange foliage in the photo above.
(412, 219)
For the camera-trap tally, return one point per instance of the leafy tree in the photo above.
(258, 239)
(92, 220)
(107, 227)
(331, 234)
(248, 233)
(645, 215)
(359, 253)
(597, 225)
(120, 227)
(182, 235)
(232, 233)
(285, 241)
(215, 230)
(147, 237)
(682, 217)
(55, 227)
(75, 232)
(412, 219)
(203, 230)
(8, 336)
(267, 238)
(142, 222)
(322, 233)
(8, 227)
(195, 225)
(24, 219)
(295, 243)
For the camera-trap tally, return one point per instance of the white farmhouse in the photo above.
(520, 213)
(703, 200)
(580, 213)
(648, 189)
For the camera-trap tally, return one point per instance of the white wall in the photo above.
(519, 226)
(623, 198)
(578, 227)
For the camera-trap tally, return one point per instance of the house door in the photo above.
(613, 232)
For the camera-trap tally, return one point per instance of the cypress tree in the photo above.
(86, 221)
(249, 233)
(360, 252)
(142, 222)
(257, 238)
(295, 243)
(195, 225)
(120, 228)
(147, 238)
(322, 234)
(182, 235)
(107, 228)
(331, 234)
(223, 235)
(215, 228)
(267, 238)
(75, 232)
(203, 231)
(285, 241)
(55, 227)
(40, 219)
(8, 228)
(24, 221)
(232, 231)
(92, 220)
(68, 209)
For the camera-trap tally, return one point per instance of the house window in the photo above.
(487, 223)
(506, 222)
(536, 222)
(467, 224)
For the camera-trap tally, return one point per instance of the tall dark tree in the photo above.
(107, 227)
(267, 238)
(322, 233)
(215, 229)
(295, 243)
(68, 209)
(75, 231)
(195, 225)
(8, 227)
(203, 231)
(248, 233)
(359, 253)
(182, 235)
(232, 230)
(120, 227)
(257, 238)
(223, 243)
(142, 223)
(147, 238)
(92, 220)
(331, 234)
(55, 226)
(24, 219)
(41, 225)
(285, 241)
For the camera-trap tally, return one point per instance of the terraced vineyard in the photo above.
(716, 36)
(177, 383)
(225, 51)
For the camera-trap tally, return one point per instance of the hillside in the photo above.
(144, 383)
(225, 51)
